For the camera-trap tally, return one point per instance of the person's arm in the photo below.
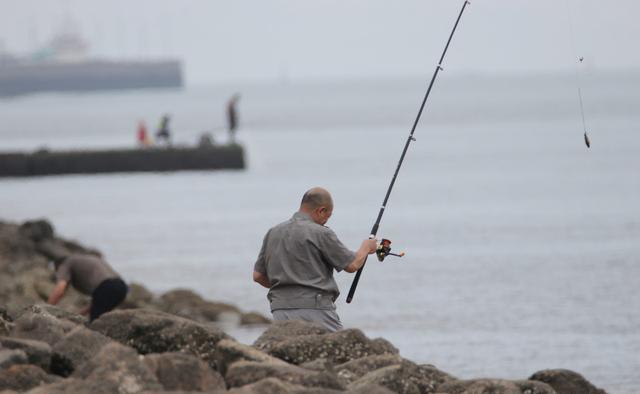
(262, 279)
(85, 311)
(58, 292)
(367, 247)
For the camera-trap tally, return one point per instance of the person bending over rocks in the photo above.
(90, 275)
(297, 260)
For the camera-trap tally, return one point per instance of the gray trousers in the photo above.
(325, 317)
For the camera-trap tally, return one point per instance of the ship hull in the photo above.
(18, 79)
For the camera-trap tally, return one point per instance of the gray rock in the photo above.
(285, 330)
(230, 351)
(5, 326)
(404, 378)
(76, 348)
(17, 252)
(371, 389)
(138, 296)
(355, 369)
(242, 373)
(180, 371)
(276, 386)
(38, 352)
(24, 377)
(157, 332)
(37, 230)
(565, 381)
(76, 386)
(254, 318)
(10, 357)
(338, 347)
(534, 387)
(186, 303)
(480, 386)
(45, 323)
(121, 366)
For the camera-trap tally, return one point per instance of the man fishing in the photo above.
(297, 260)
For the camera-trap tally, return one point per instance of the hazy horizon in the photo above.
(284, 40)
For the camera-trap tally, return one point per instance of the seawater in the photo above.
(522, 245)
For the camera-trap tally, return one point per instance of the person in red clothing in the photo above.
(143, 139)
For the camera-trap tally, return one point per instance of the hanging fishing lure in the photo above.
(587, 141)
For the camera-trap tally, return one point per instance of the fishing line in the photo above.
(381, 249)
(577, 70)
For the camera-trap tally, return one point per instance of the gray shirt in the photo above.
(298, 257)
(85, 272)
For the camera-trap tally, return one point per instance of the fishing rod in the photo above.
(374, 230)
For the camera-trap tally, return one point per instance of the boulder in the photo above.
(17, 251)
(479, 386)
(37, 230)
(24, 377)
(565, 381)
(190, 305)
(120, 365)
(254, 318)
(534, 387)
(284, 330)
(338, 347)
(242, 373)
(180, 371)
(230, 351)
(275, 386)
(5, 322)
(45, 323)
(10, 357)
(38, 353)
(76, 348)
(76, 386)
(156, 332)
(355, 369)
(138, 296)
(404, 378)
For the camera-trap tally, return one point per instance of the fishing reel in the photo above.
(384, 249)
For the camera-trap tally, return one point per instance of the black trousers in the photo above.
(109, 294)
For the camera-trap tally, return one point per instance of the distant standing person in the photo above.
(143, 138)
(232, 117)
(90, 275)
(297, 261)
(163, 132)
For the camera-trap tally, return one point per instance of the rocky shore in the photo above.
(175, 343)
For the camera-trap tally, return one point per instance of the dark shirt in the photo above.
(85, 272)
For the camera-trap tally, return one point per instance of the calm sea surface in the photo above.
(523, 246)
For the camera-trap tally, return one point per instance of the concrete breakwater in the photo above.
(176, 343)
(121, 160)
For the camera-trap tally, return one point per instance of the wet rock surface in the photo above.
(24, 377)
(337, 348)
(180, 371)
(564, 381)
(37, 352)
(174, 343)
(151, 331)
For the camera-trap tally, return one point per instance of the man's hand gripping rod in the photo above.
(374, 229)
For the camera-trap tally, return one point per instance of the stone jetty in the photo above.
(175, 343)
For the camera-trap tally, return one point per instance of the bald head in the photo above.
(316, 197)
(317, 202)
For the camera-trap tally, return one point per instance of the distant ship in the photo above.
(63, 66)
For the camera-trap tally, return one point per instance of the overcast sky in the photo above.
(248, 40)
